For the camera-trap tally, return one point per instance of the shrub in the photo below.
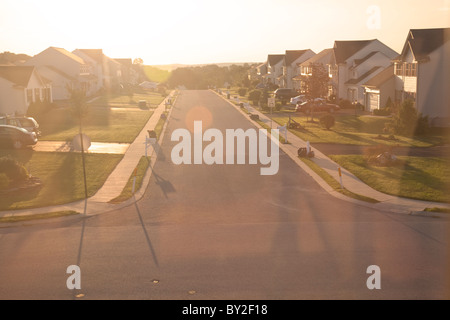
(13, 169)
(327, 121)
(346, 104)
(4, 181)
(242, 92)
(254, 96)
(407, 121)
(39, 109)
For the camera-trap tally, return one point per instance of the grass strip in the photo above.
(437, 209)
(421, 178)
(333, 183)
(39, 216)
(127, 191)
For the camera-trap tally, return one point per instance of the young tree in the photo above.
(316, 84)
(79, 110)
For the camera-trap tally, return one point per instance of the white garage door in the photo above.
(374, 101)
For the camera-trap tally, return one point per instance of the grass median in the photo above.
(39, 216)
(127, 192)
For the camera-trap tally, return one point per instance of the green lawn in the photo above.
(101, 125)
(417, 177)
(356, 130)
(155, 74)
(152, 98)
(62, 177)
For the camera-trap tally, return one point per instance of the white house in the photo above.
(424, 70)
(128, 73)
(19, 87)
(356, 62)
(292, 60)
(275, 64)
(108, 71)
(64, 69)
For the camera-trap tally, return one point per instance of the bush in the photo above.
(4, 181)
(39, 109)
(327, 121)
(254, 96)
(408, 122)
(346, 104)
(13, 169)
(242, 92)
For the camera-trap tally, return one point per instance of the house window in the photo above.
(332, 70)
(399, 69)
(351, 95)
(37, 94)
(29, 96)
(411, 70)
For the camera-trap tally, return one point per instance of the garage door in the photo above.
(374, 101)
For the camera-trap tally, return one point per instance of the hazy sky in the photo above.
(206, 31)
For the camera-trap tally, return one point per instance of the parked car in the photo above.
(284, 94)
(318, 105)
(15, 137)
(298, 99)
(27, 123)
(142, 104)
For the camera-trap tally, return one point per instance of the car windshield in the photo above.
(27, 122)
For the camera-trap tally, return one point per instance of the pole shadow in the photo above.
(147, 237)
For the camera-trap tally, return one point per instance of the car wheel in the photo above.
(17, 144)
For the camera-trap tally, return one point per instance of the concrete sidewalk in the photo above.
(116, 181)
(349, 180)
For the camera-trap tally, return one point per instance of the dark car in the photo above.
(28, 123)
(15, 137)
(319, 105)
(285, 94)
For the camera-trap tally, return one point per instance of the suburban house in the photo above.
(424, 68)
(292, 60)
(19, 87)
(128, 73)
(275, 64)
(325, 58)
(65, 70)
(356, 62)
(261, 71)
(381, 88)
(107, 70)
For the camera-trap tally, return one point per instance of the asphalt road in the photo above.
(226, 232)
